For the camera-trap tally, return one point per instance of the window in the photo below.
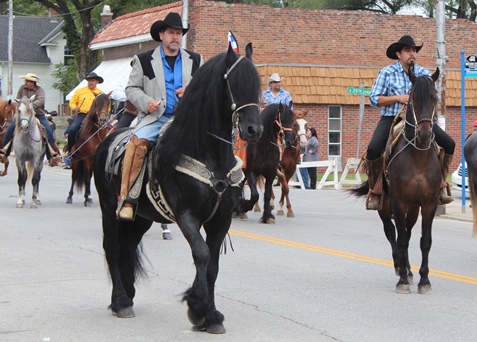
(68, 54)
(334, 131)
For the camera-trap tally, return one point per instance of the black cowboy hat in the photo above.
(404, 41)
(172, 19)
(92, 75)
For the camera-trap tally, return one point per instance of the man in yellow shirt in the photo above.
(81, 103)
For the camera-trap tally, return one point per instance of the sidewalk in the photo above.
(454, 211)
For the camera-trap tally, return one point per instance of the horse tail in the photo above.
(79, 174)
(473, 200)
(360, 191)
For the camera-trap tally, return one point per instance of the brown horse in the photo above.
(414, 177)
(8, 109)
(290, 158)
(94, 129)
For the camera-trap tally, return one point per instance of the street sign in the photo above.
(359, 91)
(471, 66)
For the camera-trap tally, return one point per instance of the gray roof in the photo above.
(28, 32)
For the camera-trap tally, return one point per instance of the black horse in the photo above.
(263, 157)
(199, 178)
(413, 182)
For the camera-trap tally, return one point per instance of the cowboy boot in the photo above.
(54, 155)
(133, 159)
(445, 196)
(375, 179)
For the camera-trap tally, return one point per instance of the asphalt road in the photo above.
(325, 275)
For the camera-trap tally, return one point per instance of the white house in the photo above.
(38, 44)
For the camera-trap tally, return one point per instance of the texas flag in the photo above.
(233, 42)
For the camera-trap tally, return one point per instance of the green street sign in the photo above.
(359, 91)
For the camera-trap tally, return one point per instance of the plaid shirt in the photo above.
(282, 97)
(393, 80)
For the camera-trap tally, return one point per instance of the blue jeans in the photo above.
(151, 131)
(74, 129)
(43, 121)
(304, 175)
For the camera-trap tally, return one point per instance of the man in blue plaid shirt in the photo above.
(391, 92)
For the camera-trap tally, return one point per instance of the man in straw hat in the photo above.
(275, 94)
(81, 103)
(391, 92)
(157, 82)
(28, 89)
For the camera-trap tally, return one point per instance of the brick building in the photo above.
(318, 53)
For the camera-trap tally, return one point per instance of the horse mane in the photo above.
(423, 88)
(91, 121)
(201, 110)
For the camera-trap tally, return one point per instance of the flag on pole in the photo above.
(233, 42)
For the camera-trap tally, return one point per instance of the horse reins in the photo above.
(235, 114)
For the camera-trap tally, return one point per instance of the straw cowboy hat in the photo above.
(404, 41)
(173, 20)
(274, 78)
(93, 75)
(30, 77)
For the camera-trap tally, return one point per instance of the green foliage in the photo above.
(66, 76)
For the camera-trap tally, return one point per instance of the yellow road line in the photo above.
(348, 255)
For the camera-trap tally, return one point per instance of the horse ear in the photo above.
(109, 94)
(249, 51)
(435, 75)
(32, 98)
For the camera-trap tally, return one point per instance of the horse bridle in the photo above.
(28, 120)
(233, 107)
(281, 129)
(416, 125)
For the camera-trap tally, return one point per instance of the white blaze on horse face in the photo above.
(302, 131)
(24, 115)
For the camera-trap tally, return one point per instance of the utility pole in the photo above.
(441, 57)
(10, 47)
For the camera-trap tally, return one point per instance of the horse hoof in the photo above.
(280, 212)
(243, 216)
(403, 288)
(256, 210)
(125, 313)
(89, 200)
(410, 279)
(217, 328)
(37, 202)
(86, 204)
(195, 320)
(166, 235)
(424, 289)
(290, 215)
(19, 205)
(234, 215)
(69, 200)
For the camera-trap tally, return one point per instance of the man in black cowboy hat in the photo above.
(391, 92)
(81, 103)
(157, 82)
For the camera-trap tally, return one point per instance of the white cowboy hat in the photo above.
(30, 77)
(274, 78)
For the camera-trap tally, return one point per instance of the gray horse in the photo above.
(30, 149)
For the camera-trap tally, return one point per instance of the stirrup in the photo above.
(371, 197)
(125, 211)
